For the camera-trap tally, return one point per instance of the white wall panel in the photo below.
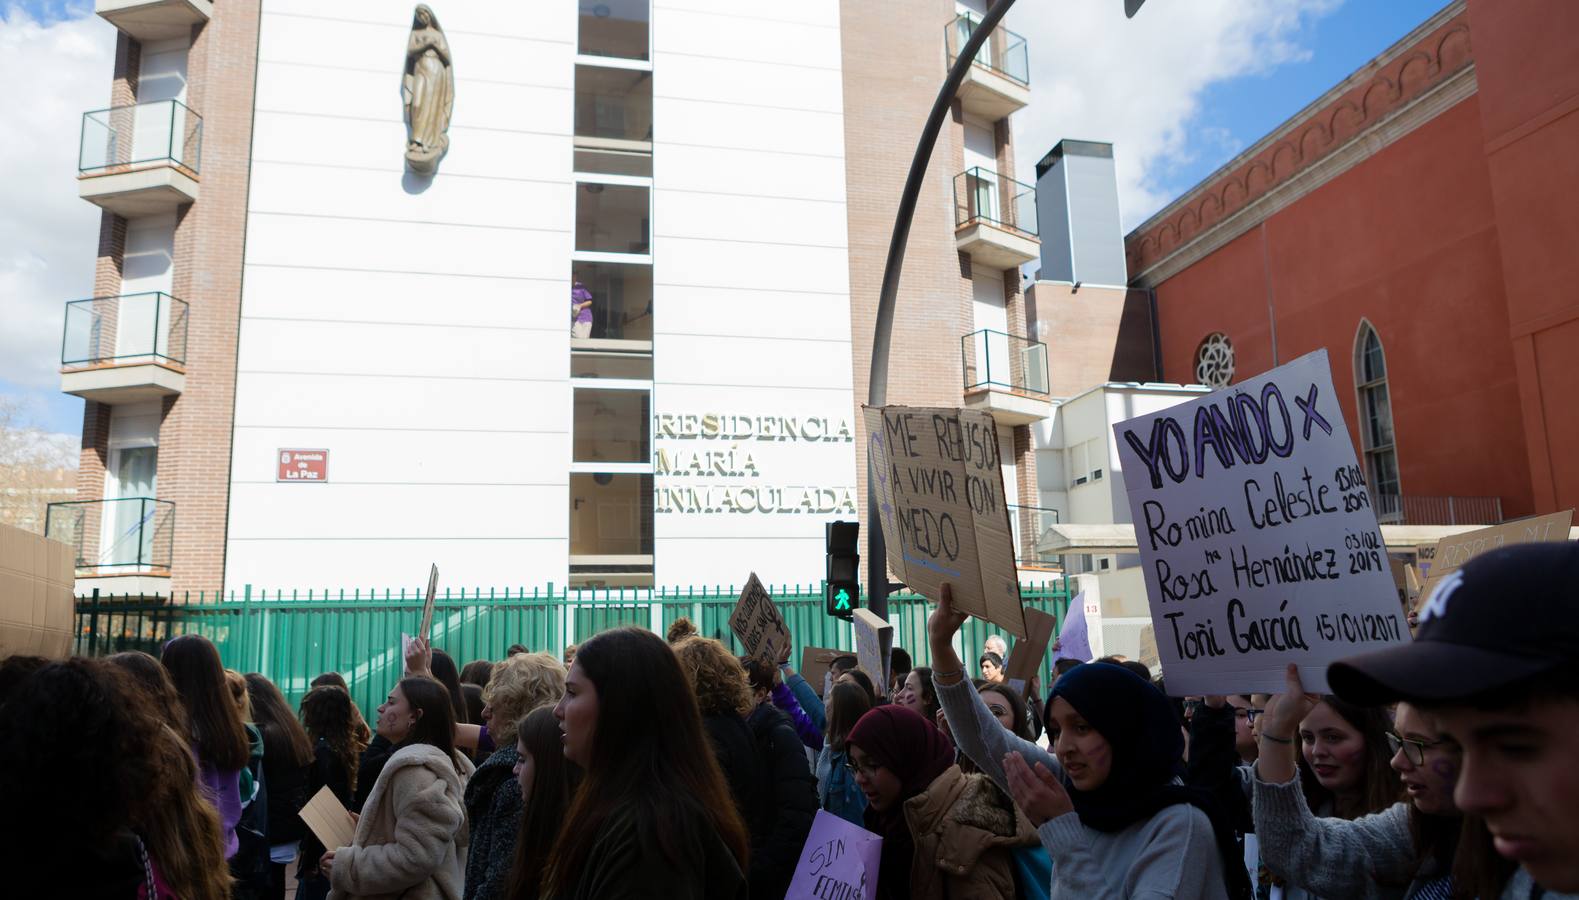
(399, 298)
(400, 402)
(754, 362)
(766, 219)
(354, 348)
(356, 194)
(368, 456)
(738, 34)
(388, 563)
(379, 145)
(406, 247)
(736, 312)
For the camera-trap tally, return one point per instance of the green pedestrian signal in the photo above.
(843, 588)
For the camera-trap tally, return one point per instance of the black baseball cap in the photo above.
(1505, 616)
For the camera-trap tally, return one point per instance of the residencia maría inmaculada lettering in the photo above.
(1249, 429)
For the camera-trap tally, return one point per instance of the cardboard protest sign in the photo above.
(945, 517)
(1256, 534)
(1148, 648)
(758, 623)
(1025, 658)
(839, 860)
(815, 663)
(1451, 553)
(329, 821)
(1074, 642)
(427, 606)
(874, 638)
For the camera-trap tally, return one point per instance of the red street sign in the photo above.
(303, 465)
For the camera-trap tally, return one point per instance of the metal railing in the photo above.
(140, 136)
(119, 330)
(1004, 52)
(1032, 524)
(129, 535)
(1408, 509)
(982, 195)
(1004, 361)
(292, 637)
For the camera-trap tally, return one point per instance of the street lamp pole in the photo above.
(877, 383)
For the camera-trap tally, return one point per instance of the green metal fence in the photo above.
(292, 638)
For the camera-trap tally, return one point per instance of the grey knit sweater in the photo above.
(1172, 855)
(1371, 857)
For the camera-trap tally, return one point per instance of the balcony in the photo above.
(999, 82)
(154, 20)
(995, 219)
(140, 160)
(1006, 375)
(1032, 526)
(121, 546)
(1409, 509)
(124, 349)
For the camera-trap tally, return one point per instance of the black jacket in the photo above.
(326, 771)
(626, 864)
(781, 822)
(735, 748)
(286, 783)
(493, 811)
(1215, 765)
(378, 752)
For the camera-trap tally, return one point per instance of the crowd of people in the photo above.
(639, 766)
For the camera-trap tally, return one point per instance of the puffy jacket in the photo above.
(965, 831)
(493, 812)
(783, 818)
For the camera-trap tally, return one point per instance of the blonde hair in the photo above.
(237, 683)
(716, 676)
(519, 685)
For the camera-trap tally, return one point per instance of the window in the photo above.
(1214, 361)
(610, 530)
(1376, 414)
(613, 218)
(611, 426)
(621, 300)
(613, 121)
(617, 28)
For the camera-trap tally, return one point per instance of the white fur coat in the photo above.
(411, 839)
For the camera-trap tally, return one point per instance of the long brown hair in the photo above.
(435, 723)
(199, 677)
(156, 684)
(283, 737)
(554, 783)
(363, 733)
(329, 715)
(83, 735)
(445, 672)
(649, 758)
(847, 703)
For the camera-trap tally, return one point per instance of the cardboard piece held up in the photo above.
(757, 622)
(1025, 657)
(427, 605)
(945, 516)
(839, 859)
(1451, 553)
(1148, 649)
(1256, 534)
(330, 822)
(815, 663)
(874, 638)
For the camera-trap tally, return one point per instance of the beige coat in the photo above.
(411, 840)
(965, 830)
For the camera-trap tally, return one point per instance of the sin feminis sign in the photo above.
(1256, 534)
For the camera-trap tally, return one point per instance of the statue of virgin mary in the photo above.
(428, 90)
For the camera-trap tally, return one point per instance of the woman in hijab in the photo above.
(895, 755)
(1110, 807)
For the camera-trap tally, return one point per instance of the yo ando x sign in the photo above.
(303, 465)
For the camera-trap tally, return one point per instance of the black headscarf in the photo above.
(1148, 749)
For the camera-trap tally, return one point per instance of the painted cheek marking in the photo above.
(1445, 770)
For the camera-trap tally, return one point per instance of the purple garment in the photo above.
(579, 295)
(805, 728)
(223, 789)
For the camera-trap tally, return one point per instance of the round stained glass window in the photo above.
(1214, 361)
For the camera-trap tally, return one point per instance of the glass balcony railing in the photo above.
(982, 195)
(1031, 526)
(998, 361)
(129, 535)
(124, 330)
(140, 136)
(1003, 53)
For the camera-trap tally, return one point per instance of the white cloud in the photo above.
(48, 237)
(1138, 83)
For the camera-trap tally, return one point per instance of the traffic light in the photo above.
(843, 591)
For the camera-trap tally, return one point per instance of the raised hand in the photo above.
(1038, 792)
(945, 621)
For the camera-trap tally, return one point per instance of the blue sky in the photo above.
(1179, 90)
(1247, 108)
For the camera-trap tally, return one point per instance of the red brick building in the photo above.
(1420, 222)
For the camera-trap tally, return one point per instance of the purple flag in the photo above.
(1074, 642)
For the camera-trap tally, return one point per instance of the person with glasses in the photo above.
(1406, 850)
(947, 835)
